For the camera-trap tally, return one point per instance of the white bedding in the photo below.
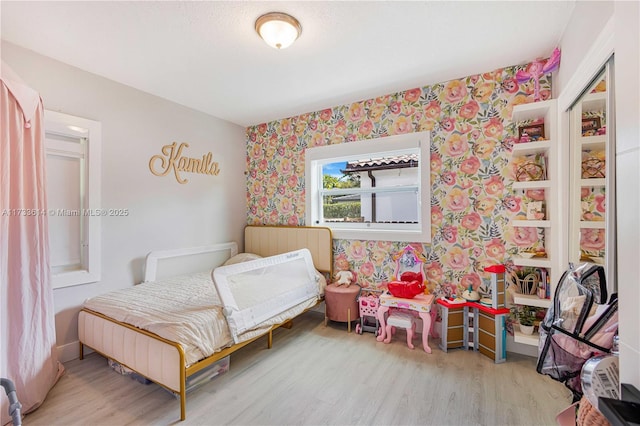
(187, 309)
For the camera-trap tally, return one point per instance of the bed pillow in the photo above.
(322, 283)
(242, 257)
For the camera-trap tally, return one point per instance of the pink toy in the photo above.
(404, 320)
(368, 306)
(409, 266)
(405, 289)
(421, 305)
(537, 69)
(344, 274)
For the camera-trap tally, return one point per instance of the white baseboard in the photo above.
(71, 351)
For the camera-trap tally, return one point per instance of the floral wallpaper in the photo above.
(471, 174)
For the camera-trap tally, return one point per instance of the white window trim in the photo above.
(313, 178)
(77, 127)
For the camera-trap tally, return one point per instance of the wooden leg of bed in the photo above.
(270, 339)
(81, 351)
(288, 325)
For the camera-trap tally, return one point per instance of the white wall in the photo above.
(617, 24)
(585, 24)
(627, 76)
(163, 213)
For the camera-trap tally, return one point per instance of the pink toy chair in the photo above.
(401, 320)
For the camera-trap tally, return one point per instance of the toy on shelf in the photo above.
(537, 69)
(368, 303)
(470, 294)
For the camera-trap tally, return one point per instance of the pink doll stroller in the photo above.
(579, 325)
(368, 305)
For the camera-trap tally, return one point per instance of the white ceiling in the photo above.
(207, 55)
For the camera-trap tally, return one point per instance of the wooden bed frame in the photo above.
(163, 361)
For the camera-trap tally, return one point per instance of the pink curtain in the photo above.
(28, 345)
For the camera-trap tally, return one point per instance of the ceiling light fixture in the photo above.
(278, 30)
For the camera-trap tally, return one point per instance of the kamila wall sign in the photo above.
(172, 159)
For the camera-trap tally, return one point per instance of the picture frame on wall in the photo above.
(531, 132)
(590, 126)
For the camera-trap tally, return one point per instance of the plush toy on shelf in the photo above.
(537, 69)
(344, 276)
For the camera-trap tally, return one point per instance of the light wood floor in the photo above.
(317, 375)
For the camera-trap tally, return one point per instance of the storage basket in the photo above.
(526, 285)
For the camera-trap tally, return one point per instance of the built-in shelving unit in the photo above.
(549, 148)
(527, 339)
(587, 227)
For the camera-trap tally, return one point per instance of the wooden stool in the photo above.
(341, 304)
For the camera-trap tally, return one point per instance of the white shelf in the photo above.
(531, 148)
(596, 182)
(533, 184)
(531, 300)
(592, 224)
(531, 223)
(594, 102)
(534, 262)
(527, 339)
(597, 142)
(531, 111)
(551, 225)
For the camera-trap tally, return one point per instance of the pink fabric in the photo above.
(28, 344)
(339, 299)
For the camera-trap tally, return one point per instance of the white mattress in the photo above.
(255, 291)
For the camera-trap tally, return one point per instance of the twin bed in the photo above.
(167, 329)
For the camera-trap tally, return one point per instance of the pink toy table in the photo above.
(420, 304)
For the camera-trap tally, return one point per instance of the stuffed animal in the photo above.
(537, 69)
(344, 274)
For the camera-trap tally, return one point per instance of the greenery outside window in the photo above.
(371, 190)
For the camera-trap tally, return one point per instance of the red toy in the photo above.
(406, 289)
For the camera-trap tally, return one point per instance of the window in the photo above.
(371, 190)
(72, 146)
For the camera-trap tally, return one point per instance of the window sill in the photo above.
(69, 279)
(381, 235)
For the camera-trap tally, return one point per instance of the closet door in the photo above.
(592, 185)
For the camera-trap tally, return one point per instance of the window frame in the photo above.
(90, 132)
(315, 157)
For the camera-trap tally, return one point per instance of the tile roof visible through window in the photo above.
(384, 163)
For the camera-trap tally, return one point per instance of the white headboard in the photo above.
(193, 259)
